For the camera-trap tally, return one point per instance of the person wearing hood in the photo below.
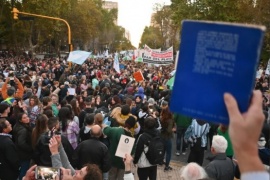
(84, 133)
(145, 168)
(140, 93)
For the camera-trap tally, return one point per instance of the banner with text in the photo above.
(155, 57)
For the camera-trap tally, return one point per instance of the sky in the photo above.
(134, 15)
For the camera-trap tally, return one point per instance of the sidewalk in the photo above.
(170, 175)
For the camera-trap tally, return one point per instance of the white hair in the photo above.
(219, 143)
(192, 171)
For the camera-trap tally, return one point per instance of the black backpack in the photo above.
(156, 149)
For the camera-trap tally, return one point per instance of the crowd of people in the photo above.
(72, 117)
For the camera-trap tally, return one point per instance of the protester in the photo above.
(9, 159)
(220, 167)
(22, 134)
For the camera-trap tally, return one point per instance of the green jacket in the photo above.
(55, 110)
(114, 134)
(229, 150)
(182, 121)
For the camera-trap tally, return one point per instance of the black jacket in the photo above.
(220, 168)
(94, 152)
(9, 159)
(42, 154)
(82, 115)
(22, 135)
(143, 140)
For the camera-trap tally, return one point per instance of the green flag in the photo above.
(170, 82)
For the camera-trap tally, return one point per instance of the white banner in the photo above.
(155, 57)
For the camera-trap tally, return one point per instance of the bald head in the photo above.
(96, 131)
(193, 171)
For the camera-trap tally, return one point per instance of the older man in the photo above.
(192, 171)
(221, 167)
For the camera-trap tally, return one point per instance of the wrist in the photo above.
(127, 167)
(54, 152)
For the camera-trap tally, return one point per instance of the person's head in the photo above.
(4, 108)
(145, 107)
(89, 118)
(138, 99)
(47, 101)
(150, 123)
(261, 142)
(116, 100)
(5, 126)
(23, 118)
(130, 122)
(88, 172)
(98, 119)
(125, 110)
(33, 101)
(88, 102)
(53, 122)
(96, 131)
(41, 122)
(219, 144)
(164, 105)
(64, 115)
(11, 91)
(192, 171)
(54, 98)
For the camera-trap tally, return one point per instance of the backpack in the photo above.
(156, 149)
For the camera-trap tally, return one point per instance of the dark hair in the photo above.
(2, 125)
(149, 123)
(64, 115)
(52, 122)
(76, 110)
(93, 172)
(3, 107)
(11, 91)
(89, 118)
(20, 115)
(46, 100)
(48, 113)
(145, 107)
(125, 110)
(41, 127)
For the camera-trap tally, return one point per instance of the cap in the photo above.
(164, 103)
(151, 101)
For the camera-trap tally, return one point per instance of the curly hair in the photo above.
(93, 172)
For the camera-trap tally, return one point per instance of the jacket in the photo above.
(22, 135)
(9, 159)
(114, 134)
(18, 94)
(220, 168)
(182, 121)
(119, 120)
(42, 152)
(85, 153)
(141, 147)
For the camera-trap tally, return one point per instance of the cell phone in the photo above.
(47, 173)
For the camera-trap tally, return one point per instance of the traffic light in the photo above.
(15, 13)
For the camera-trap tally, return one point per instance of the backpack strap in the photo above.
(204, 130)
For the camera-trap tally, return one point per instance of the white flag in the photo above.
(116, 63)
(78, 57)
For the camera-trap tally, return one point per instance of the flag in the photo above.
(116, 63)
(170, 82)
(78, 57)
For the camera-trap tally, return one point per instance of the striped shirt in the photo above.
(200, 131)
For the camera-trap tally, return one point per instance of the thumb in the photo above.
(232, 107)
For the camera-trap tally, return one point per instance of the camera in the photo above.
(48, 173)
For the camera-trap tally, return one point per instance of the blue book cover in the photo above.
(214, 58)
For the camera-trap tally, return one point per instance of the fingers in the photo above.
(232, 107)
(32, 168)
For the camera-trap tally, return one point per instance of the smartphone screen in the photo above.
(47, 173)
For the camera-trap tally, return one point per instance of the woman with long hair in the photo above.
(69, 128)
(75, 107)
(41, 127)
(80, 101)
(83, 85)
(34, 110)
(22, 135)
(166, 120)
